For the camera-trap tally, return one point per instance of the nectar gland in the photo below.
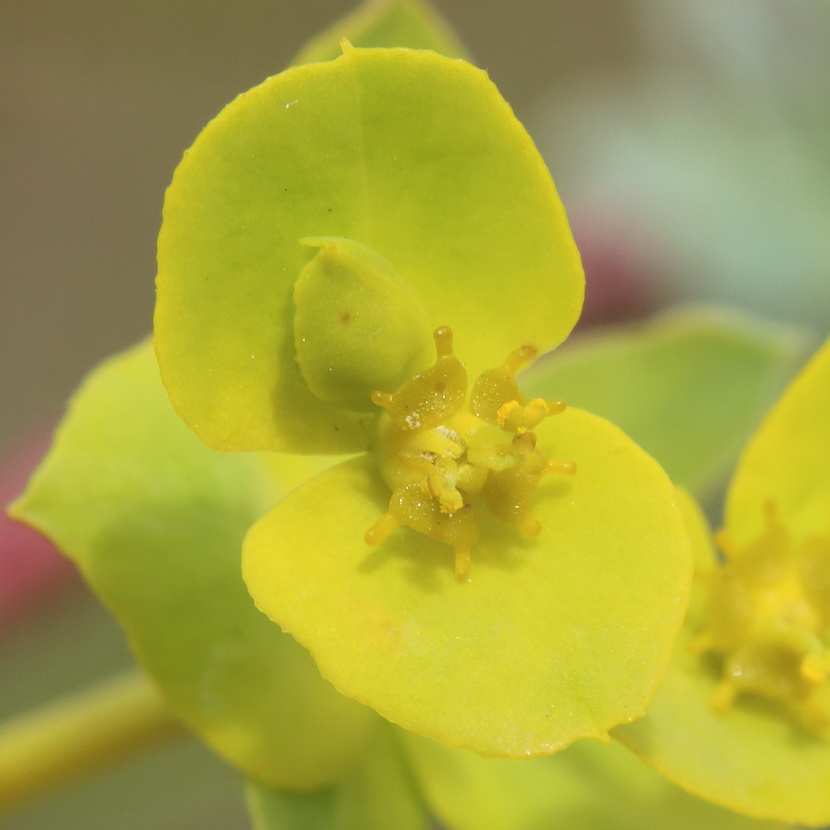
(445, 459)
(768, 620)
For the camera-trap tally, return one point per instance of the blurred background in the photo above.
(690, 143)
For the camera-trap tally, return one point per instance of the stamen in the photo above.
(514, 417)
(446, 462)
(764, 621)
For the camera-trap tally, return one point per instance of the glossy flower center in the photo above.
(768, 619)
(446, 458)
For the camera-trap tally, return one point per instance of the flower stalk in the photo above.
(80, 734)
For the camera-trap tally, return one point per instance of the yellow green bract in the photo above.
(155, 521)
(742, 716)
(378, 792)
(587, 787)
(552, 639)
(316, 233)
(413, 155)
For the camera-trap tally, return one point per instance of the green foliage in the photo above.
(155, 521)
(587, 786)
(378, 793)
(688, 387)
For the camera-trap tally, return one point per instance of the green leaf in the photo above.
(409, 153)
(588, 786)
(377, 794)
(412, 23)
(155, 521)
(688, 387)
(555, 638)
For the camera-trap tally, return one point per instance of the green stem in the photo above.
(80, 734)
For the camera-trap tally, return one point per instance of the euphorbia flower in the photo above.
(316, 236)
(574, 622)
(742, 718)
(161, 549)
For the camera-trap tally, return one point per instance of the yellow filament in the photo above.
(462, 564)
(378, 532)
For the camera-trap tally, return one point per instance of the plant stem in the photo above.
(80, 734)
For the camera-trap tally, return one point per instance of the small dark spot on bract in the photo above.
(345, 317)
(329, 210)
(336, 428)
(439, 387)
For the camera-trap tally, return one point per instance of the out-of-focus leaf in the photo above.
(155, 521)
(411, 23)
(759, 756)
(688, 387)
(377, 794)
(586, 787)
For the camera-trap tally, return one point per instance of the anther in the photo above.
(560, 467)
(515, 417)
